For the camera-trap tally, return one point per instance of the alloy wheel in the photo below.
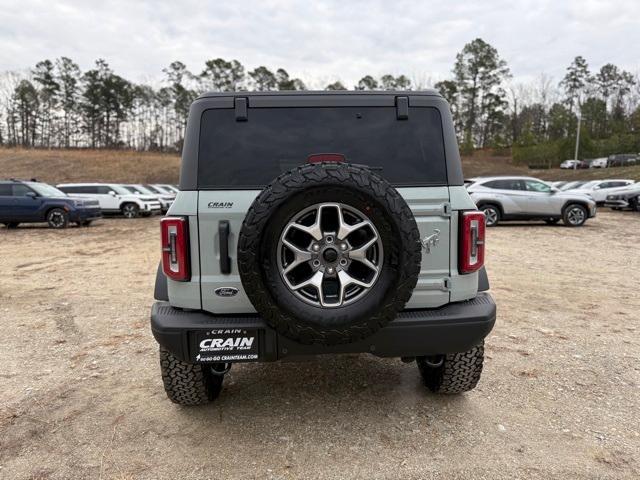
(330, 255)
(575, 216)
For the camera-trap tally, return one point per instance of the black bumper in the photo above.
(456, 327)
(85, 215)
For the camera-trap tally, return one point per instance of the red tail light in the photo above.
(471, 241)
(326, 157)
(175, 248)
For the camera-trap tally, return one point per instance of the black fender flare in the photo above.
(160, 291)
(483, 280)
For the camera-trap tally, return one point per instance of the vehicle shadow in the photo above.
(533, 225)
(346, 395)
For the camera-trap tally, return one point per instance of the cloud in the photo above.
(319, 40)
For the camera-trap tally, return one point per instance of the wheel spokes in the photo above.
(345, 280)
(314, 281)
(344, 229)
(360, 253)
(312, 230)
(334, 268)
(300, 256)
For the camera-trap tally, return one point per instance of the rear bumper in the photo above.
(456, 327)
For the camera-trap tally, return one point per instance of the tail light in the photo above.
(471, 241)
(326, 157)
(175, 248)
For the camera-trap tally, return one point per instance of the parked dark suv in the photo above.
(622, 160)
(30, 202)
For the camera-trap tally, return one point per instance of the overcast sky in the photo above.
(320, 41)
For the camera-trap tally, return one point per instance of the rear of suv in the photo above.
(320, 223)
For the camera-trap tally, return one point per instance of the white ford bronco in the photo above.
(320, 223)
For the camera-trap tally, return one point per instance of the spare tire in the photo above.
(329, 253)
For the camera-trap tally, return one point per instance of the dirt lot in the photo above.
(81, 395)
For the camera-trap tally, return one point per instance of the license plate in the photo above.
(226, 345)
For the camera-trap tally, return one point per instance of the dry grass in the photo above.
(126, 166)
(55, 166)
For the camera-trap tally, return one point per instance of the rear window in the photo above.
(251, 154)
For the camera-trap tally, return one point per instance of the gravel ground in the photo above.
(81, 395)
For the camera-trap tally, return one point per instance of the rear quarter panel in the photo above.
(463, 287)
(187, 294)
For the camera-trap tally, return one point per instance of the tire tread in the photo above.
(459, 373)
(186, 383)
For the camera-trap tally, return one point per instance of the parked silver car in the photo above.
(527, 198)
(599, 189)
(628, 197)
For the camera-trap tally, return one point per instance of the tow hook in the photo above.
(220, 368)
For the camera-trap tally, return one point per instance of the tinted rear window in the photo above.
(505, 184)
(252, 153)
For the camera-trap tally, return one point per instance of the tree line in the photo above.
(56, 104)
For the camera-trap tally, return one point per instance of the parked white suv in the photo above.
(599, 189)
(114, 198)
(602, 162)
(527, 198)
(165, 199)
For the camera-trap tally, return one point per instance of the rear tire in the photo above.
(574, 215)
(130, 210)
(12, 224)
(57, 218)
(492, 215)
(186, 383)
(459, 372)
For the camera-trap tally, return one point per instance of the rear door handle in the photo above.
(223, 235)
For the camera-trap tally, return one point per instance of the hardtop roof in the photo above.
(284, 93)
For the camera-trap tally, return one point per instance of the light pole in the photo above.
(575, 156)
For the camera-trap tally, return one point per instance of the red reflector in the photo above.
(326, 157)
(175, 248)
(471, 241)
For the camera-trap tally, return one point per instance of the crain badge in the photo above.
(226, 291)
(220, 204)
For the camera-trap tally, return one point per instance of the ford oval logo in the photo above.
(226, 291)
